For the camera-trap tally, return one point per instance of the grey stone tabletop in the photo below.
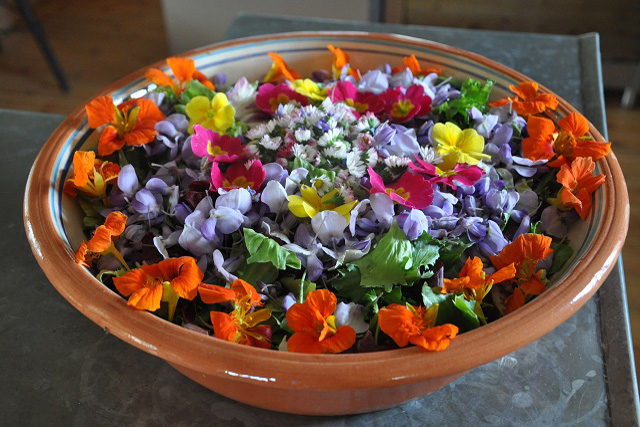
(58, 368)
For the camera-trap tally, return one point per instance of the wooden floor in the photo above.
(97, 43)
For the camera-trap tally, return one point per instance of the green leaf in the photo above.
(458, 311)
(387, 264)
(263, 249)
(314, 172)
(562, 252)
(294, 285)
(429, 297)
(425, 254)
(195, 88)
(251, 273)
(473, 93)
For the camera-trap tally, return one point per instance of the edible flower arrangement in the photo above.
(346, 211)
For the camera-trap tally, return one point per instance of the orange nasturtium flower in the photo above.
(91, 175)
(527, 100)
(167, 281)
(578, 184)
(524, 253)
(473, 283)
(242, 324)
(340, 59)
(315, 328)
(411, 62)
(280, 70)
(184, 70)
(131, 122)
(409, 324)
(102, 241)
(562, 144)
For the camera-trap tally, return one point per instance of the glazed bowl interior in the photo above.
(54, 226)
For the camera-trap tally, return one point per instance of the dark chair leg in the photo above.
(35, 27)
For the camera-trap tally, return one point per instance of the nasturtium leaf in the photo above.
(429, 297)
(195, 88)
(457, 310)
(297, 287)
(264, 249)
(562, 252)
(251, 273)
(387, 264)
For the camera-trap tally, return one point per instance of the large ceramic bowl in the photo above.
(299, 383)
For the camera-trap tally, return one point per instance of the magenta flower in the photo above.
(463, 173)
(363, 102)
(402, 105)
(411, 190)
(239, 175)
(270, 97)
(219, 148)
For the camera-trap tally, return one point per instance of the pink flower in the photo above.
(363, 102)
(219, 148)
(402, 105)
(270, 97)
(239, 175)
(411, 190)
(463, 173)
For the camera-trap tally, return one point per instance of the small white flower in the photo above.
(396, 162)
(335, 153)
(329, 137)
(322, 184)
(327, 104)
(271, 125)
(370, 157)
(303, 135)
(304, 152)
(428, 154)
(252, 149)
(355, 165)
(257, 131)
(271, 143)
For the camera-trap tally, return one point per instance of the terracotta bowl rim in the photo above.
(212, 356)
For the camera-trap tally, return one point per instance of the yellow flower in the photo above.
(457, 146)
(309, 88)
(309, 204)
(216, 114)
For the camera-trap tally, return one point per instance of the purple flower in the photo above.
(413, 223)
(374, 81)
(472, 227)
(494, 241)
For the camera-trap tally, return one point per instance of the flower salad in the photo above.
(346, 211)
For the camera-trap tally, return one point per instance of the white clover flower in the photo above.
(428, 154)
(355, 165)
(305, 152)
(397, 162)
(303, 135)
(271, 143)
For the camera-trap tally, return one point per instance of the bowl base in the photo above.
(268, 395)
